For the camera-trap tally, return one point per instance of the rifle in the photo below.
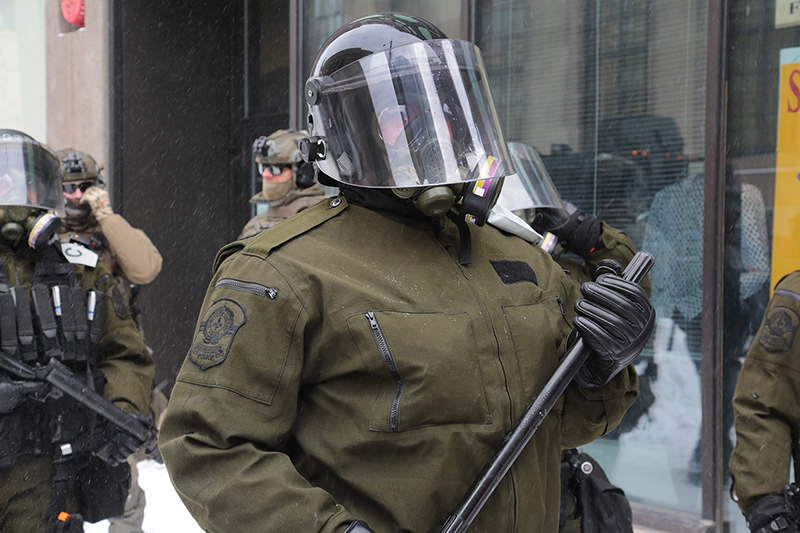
(61, 378)
(522, 431)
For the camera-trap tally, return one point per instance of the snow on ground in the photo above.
(165, 512)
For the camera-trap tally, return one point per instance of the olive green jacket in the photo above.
(345, 365)
(765, 403)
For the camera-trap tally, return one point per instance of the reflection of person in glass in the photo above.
(674, 236)
(381, 345)
(767, 417)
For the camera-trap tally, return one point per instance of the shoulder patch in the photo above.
(215, 335)
(79, 255)
(779, 329)
(118, 301)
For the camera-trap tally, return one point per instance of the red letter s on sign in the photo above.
(795, 90)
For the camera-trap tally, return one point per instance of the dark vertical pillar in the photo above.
(713, 265)
(180, 169)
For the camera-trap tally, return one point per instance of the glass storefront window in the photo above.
(762, 198)
(23, 95)
(266, 47)
(612, 93)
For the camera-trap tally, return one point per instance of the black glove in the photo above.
(122, 444)
(770, 514)
(12, 393)
(615, 319)
(580, 233)
(358, 527)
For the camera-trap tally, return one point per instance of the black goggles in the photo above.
(70, 188)
(277, 169)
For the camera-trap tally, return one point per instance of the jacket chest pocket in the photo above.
(538, 331)
(424, 369)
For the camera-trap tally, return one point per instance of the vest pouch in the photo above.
(12, 424)
(79, 325)
(23, 432)
(102, 489)
(66, 322)
(44, 321)
(25, 332)
(8, 326)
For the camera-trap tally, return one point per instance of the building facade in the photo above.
(670, 119)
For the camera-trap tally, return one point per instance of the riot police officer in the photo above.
(288, 184)
(767, 417)
(59, 462)
(355, 366)
(133, 260)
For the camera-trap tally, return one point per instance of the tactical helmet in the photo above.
(395, 104)
(78, 166)
(281, 147)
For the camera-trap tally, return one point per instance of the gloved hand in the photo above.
(12, 393)
(771, 513)
(122, 444)
(358, 527)
(580, 233)
(615, 319)
(99, 201)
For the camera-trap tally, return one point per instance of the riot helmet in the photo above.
(393, 103)
(531, 190)
(30, 189)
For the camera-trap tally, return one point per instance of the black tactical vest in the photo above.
(49, 319)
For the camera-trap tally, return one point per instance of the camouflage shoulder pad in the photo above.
(261, 244)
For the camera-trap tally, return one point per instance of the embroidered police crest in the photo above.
(215, 334)
(779, 328)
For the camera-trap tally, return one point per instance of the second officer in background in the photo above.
(133, 260)
(287, 182)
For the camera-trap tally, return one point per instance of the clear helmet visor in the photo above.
(416, 115)
(531, 189)
(30, 175)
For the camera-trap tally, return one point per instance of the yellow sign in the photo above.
(786, 226)
(787, 13)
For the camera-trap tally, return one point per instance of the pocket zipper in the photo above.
(255, 288)
(394, 414)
